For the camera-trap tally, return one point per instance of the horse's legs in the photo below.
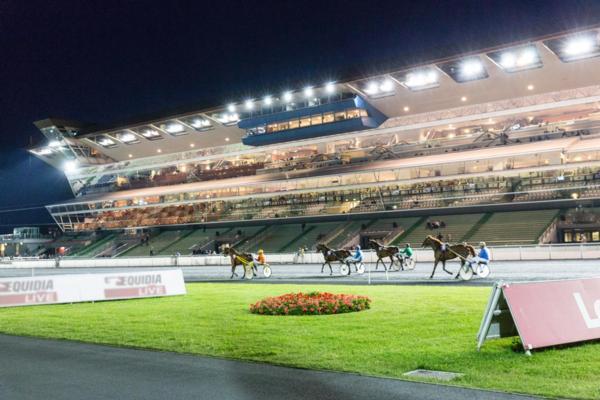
(444, 266)
(434, 267)
(322, 266)
(462, 264)
(232, 272)
(377, 264)
(330, 269)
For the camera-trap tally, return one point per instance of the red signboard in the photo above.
(545, 313)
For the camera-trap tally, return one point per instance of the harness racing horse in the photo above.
(238, 259)
(384, 252)
(461, 251)
(332, 255)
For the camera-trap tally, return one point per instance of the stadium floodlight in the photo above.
(54, 143)
(267, 100)
(517, 58)
(575, 47)
(330, 88)
(471, 68)
(308, 91)
(200, 123)
(231, 108)
(249, 104)
(70, 166)
(465, 70)
(288, 96)
(372, 88)
(127, 137)
(174, 128)
(386, 86)
(106, 142)
(150, 134)
(45, 151)
(421, 79)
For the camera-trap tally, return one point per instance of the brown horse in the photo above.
(236, 259)
(332, 255)
(384, 252)
(461, 251)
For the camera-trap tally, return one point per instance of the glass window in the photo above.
(316, 119)
(364, 113)
(327, 117)
(272, 128)
(353, 113)
(595, 236)
(294, 124)
(340, 116)
(305, 122)
(283, 126)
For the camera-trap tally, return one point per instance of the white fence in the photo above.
(501, 253)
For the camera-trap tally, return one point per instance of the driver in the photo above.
(358, 255)
(483, 258)
(407, 251)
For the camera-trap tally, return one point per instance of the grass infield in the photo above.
(408, 327)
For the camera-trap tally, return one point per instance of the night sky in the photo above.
(105, 61)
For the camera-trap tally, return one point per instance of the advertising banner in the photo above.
(74, 288)
(544, 314)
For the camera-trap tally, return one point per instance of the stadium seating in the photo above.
(195, 240)
(157, 243)
(517, 227)
(312, 234)
(457, 226)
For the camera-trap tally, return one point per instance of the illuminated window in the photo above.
(294, 124)
(327, 117)
(340, 116)
(595, 236)
(354, 113)
(316, 119)
(272, 128)
(283, 126)
(364, 113)
(304, 122)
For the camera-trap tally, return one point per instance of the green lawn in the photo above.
(407, 327)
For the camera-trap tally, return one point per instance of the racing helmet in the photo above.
(358, 247)
(260, 251)
(481, 244)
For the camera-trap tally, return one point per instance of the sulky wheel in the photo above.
(396, 265)
(267, 271)
(360, 268)
(409, 263)
(344, 269)
(248, 273)
(483, 270)
(466, 272)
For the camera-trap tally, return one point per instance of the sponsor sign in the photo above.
(90, 287)
(543, 313)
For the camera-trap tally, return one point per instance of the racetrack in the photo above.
(307, 273)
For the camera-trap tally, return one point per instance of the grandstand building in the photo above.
(508, 135)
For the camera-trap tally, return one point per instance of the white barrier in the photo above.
(500, 253)
(74, 288)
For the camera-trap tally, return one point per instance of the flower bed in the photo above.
(314, 303)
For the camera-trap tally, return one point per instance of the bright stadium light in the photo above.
(465, 70)
(106, 142)
(386, 86)
(54, 143)
(421, 79)
(174, 128)
(579, 45)
(267, 100)
(575, 47)
(372, 88)
(150, 133)
(517, 58)
(288, 97)
(308, 91)
(44, 151)
(199, 123)
(231, 108)
(249, 104)
(471, 68)
(330, 87)
(70, 166)
(127, 137)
